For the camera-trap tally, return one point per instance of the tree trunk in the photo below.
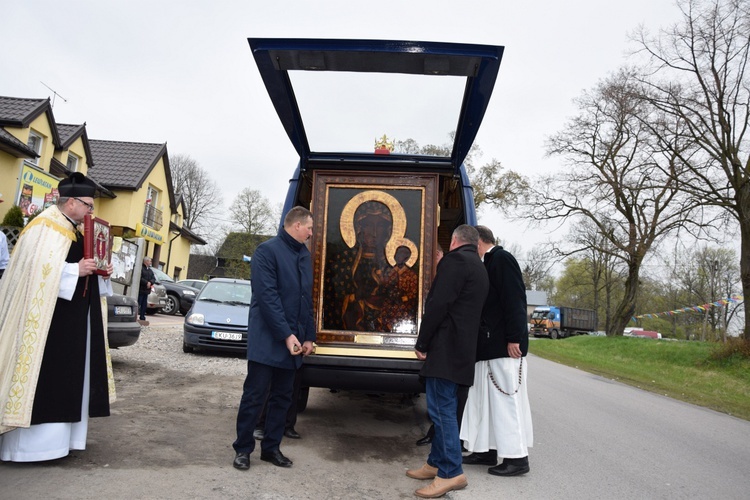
(745, 267)
(626, 308)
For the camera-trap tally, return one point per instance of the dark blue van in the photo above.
(381, 211)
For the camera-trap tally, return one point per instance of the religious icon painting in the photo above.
(371, 276)
(97, 242)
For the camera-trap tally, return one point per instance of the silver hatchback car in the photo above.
(156, 299)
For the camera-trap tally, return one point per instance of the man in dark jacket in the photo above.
(447, 343)
(147, 280)
(280, 328)
(497, 419)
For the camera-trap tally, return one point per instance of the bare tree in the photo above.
(536, 268)
(253, 213)
(199, 192)
(701, 79)
(493, 186)
(592, 243)
(616, 179)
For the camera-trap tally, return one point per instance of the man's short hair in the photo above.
(485, 234)
(296, 214)
(466, 234)
(62, 200)
(147, 259)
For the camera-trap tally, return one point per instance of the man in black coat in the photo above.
(144, 288)
(447, 343)
(497, 419)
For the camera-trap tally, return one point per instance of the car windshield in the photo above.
(161, 275)
(227, 293)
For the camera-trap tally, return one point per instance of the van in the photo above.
(379, 212)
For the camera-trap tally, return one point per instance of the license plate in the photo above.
(226, 335)
(123, 310)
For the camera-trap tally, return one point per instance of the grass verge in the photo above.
(688, 371)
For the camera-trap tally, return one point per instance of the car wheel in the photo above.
(304, 393)
(554, 334)
(186, 348)
(172, 305)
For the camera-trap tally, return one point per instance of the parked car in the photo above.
(218, 319)
(639, 332)
(179, 297)
(193, 283)
(157, 299)
(123, 328)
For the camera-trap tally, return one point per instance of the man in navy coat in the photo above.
(447, 342)
(280, 329)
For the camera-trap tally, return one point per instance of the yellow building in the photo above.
(145, 206)
(136, 196)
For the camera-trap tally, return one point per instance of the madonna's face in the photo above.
(373, 232)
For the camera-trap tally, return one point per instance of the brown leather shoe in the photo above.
(439, 486)
(427, 471)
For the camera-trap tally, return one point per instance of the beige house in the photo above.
(135, 186)
(145, 206)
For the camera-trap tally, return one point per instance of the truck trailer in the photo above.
(560, 322)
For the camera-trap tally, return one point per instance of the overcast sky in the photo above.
(181, 72)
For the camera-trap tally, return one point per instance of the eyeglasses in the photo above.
(88, 205)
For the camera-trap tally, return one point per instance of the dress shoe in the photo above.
(511, 467)
(439, 486)
(424, 440)
(427, 471)
(241, 461)
(291, 433)
(484, 458)
(276, 458)
(259, 434)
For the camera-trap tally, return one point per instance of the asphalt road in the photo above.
(170, 437)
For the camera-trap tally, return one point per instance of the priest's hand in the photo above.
(110, 270)
(86, 267)
(420, 355)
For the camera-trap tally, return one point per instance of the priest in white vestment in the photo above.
(55, 369)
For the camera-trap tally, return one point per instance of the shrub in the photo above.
(14, 217)
(732, 347)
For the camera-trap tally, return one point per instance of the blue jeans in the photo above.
(263, 381)
(442, 400)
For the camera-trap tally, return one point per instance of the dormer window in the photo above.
(73, 161)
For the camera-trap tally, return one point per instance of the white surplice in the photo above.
(496, 421)
(55, 439)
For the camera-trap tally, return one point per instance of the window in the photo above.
(73, 162)
(35, 143)
(152, 196)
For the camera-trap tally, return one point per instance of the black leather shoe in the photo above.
(484, 458)
(276, 458)
(427, 439)
(259, 434)
(241, 461)
(291, 433)
(424, 440)
(511, 467)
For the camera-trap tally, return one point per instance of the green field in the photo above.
(688, 371)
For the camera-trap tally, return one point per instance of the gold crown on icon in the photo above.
(384, 143)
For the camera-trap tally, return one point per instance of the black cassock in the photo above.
(59, 390)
